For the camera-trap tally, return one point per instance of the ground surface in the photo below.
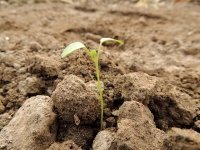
(164, 43)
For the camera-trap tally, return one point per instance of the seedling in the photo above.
(94, 55)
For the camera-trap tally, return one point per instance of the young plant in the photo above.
(94, 55)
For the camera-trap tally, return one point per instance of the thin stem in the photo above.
(100, 92)
(99, 86)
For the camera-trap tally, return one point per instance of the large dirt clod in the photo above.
(182, 139)
(172, 107)
(32, 126)
(136, 128)
(137, 136)
(135, 86)
(75, 101)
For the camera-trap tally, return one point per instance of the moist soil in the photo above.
(163, 44)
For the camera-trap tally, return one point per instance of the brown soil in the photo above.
(158, 66)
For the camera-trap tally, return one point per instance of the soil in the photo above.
(156, 73)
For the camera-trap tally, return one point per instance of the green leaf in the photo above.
(71, 48)
(93, 54)
(102, 40)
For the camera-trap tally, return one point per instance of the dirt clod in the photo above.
(103, 140)
(4, 120)
(81, 135)
(31, 85)
(186, 139)
(43, 66)
(30, 127)
(135, 128)
(35, 46)
(172, 107)
(135, 86)
(73, 97)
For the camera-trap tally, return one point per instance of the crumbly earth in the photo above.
(157, 69)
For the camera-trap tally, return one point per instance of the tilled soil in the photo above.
(151, 83)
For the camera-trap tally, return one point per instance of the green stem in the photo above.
(99, 86)
(100, 92)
